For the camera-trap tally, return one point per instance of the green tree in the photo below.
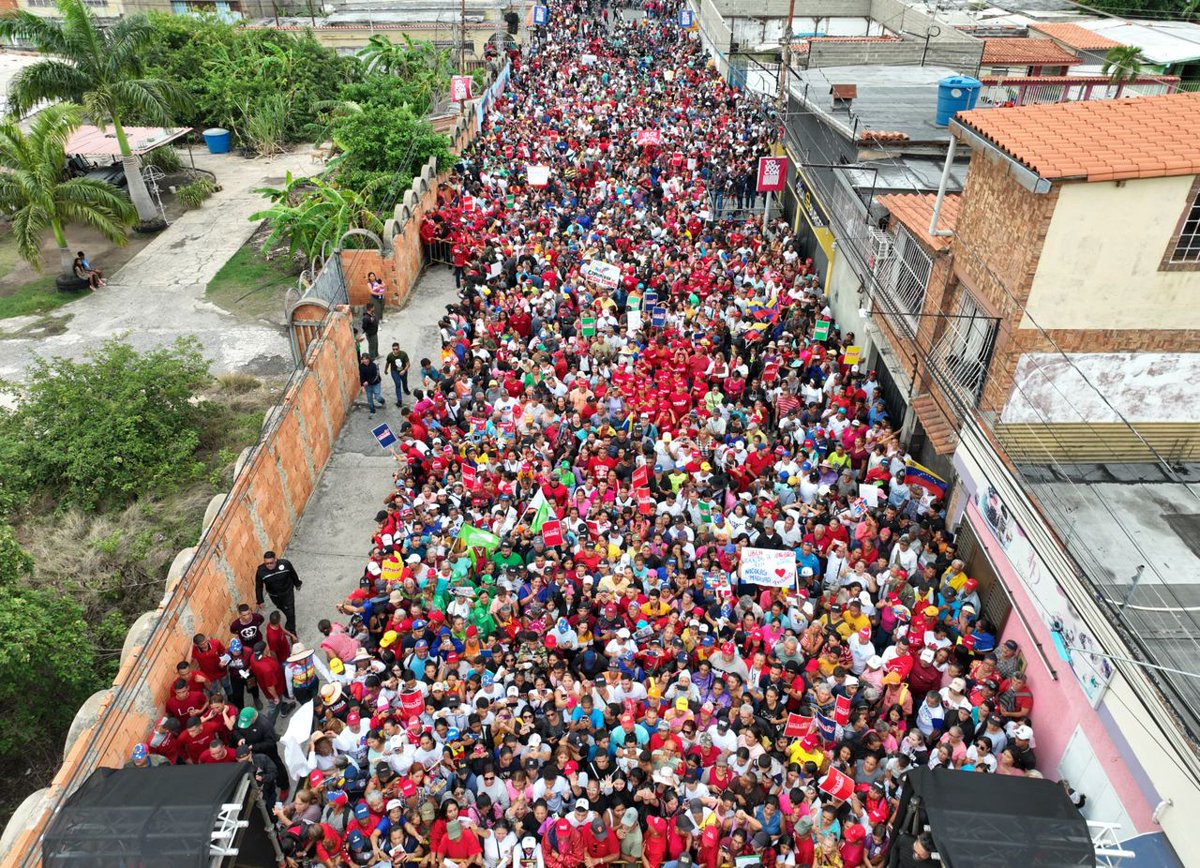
(15, 563)
(107, 428)
(307, 212)
(48, 665)
(98, 67)
(37, 196)
(1123, 64)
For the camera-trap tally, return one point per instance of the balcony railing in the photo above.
(1036, 90)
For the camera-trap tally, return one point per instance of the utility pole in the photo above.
(462, 40)
(786, 57)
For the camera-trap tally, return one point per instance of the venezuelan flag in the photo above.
(916, 474)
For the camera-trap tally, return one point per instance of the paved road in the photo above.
(159, 294)
(330, 546)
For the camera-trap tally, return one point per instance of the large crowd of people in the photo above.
(552, 657)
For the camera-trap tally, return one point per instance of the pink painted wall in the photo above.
(1060, 705)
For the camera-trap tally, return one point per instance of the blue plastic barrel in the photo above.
(956, 93)
(217, 140)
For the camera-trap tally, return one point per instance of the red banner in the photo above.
(641, 477)
(412, 703)
(468, 473)
(772, 174)
(645, 504)
(649, 137)
(552, 533)
(798, 726)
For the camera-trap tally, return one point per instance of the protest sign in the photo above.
(774, 569)
(603, 273)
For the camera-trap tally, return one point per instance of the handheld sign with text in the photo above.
(604, 273)
(797, 726)
(841, 710)
(686, 19)
(641, 477)
(838, 785)
(853, 355)
(469, 477)
(773, 569)
(826, 727)
(651, 298)
(412, 703)
(588, 326)
(552, 533)
(384, 435)
(659, 318)
(821, 330)
(541, 15)
(645, 504)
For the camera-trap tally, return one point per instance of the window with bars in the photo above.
(1186, 249)
(903, 279)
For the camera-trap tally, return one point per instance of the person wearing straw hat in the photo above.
(304, 673)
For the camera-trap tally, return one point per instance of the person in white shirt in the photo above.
(861, 649)
(728, 660)
(723, 738)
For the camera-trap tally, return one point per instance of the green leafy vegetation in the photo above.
(107, 464)
(194, 194)
(38, 296)
(308, 212)
(251, 282)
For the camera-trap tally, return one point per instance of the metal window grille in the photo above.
(964, 350)
(903, 278)
(1187, 249)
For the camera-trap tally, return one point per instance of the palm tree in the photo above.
(1123, 64)
(307, 212)
(36, 197)
(99, 68)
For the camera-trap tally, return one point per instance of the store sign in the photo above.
(808, 204)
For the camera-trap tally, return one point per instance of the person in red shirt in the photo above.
(198, 736)
(331, 848)
(208, 653)
(562, 846)
(600, 845)
(185, 701)
(460, 845)
(269, 675)
(217, 752)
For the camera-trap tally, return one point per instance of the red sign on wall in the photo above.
(772, 174)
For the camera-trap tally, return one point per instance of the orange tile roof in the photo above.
(1074, 36)
(913, 211)
(1026, 51)
(1098, 140)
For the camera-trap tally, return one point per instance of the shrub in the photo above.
(166, 159)
(106, 429)
(193, 195)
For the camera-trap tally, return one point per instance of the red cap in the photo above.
(472, 630)
(316, 778)
(970, 585)
(551, 642)
(728, 648)
(808, 742)
(865, 634)
(563, 827)
(452, 657)
(353, 718)
(437, 616)
(570, 767)
(339, 797)
(627, 720)
(407, 788)
(855, 833)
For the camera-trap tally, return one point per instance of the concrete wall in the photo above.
(1100, 273)
(206, 584)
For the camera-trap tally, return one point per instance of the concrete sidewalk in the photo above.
(159, 294)
(330, 546)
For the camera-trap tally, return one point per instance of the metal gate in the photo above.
(893, 398)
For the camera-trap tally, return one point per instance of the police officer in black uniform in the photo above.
(278, 577)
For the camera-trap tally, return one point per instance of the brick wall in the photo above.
(260, 512)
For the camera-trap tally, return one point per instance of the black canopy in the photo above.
(988, 820)
(147, 817)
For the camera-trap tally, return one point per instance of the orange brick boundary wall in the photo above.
(400, 268)
(203, 588)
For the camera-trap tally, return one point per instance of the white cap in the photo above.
(1023, 732)
(874, 662)
(394, 803)
(583, 805)
(535, 740)
(806, 572)
(958, 685)
(623, 633)
(512, 691)
(927, 655)
(850, 681)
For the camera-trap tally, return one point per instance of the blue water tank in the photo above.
(217, 139)
(956, 93)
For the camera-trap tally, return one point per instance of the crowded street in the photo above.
(657, 583)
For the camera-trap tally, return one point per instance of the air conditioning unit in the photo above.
(879, 248)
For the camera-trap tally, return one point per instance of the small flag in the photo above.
(541, 509)
(826, 727)
(705, 511)
(841, 710)
(821, 330)
(798, 726)
(593, 527)
(472, 536)
(915, 474)
(770, 371)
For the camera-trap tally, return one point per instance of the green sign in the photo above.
(589, 326)
(821, 330)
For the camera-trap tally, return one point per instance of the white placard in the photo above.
(774, 569)
(603, 273)
(870, 495)
(539, 176)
